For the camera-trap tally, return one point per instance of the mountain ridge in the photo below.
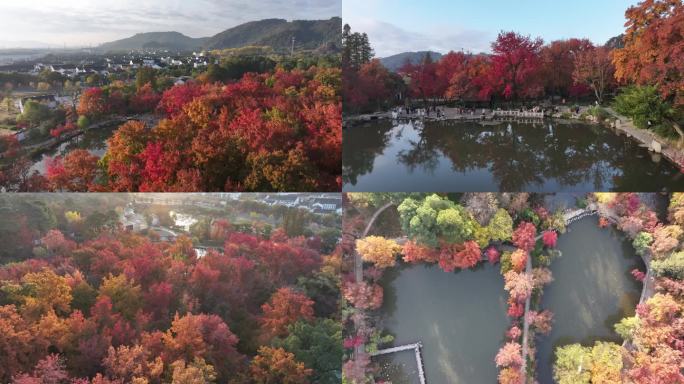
(276, 33)
(394, 62)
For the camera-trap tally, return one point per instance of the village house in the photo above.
(326, 205)
(285, 199)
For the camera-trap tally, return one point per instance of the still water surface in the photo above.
(459, 317)
(500, 156)
(93, 140)
(592, 289)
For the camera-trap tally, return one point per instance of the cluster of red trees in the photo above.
(519, 68)
(653, 53)
(656, 331)
(116, 99)
(123, 309)
(520, 283)
(370, 87)
(277, 131)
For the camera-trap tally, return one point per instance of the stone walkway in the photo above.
(646, 138)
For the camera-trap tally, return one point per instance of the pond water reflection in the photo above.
(592, 289)
(93, 140)
(459, 317)
(499, 156)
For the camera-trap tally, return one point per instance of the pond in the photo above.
(459, 317)
(94, 140)
(499, 156)
(592, 289)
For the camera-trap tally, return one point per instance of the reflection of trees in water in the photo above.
(362, 147)
(524, 156)
(421, 153)
(92, 140)
(579, 154)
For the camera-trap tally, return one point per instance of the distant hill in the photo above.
(24, 44)
(275, 33)
(167, 40)
(616, 42)
(278, 34)
(397, 61)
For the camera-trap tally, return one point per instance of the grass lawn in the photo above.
(5, 115)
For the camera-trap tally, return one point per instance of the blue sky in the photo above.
(406, 25)
(84, 22)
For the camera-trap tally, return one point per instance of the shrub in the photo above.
(83, 122)
(672, 267)
(599, 113)
(643, 104)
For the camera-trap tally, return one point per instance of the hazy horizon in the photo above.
(83, 23)
(396, 26)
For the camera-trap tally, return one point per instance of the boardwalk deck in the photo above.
(518, 114)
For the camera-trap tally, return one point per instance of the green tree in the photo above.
(295, 221)
(573, 365)
(83, 122)
(126, 297)
(144, 76)
(71, 87)
(84, 297)
(323, 289)
(672, 267)
(501, 226)
(201, 229)
(93, 80)
(98, 222)
(436, 219)
(642, 242)
(40, 216)
(35, 112)
(236, 66)
(319, 346)
(626, 327)
(216, 73)
(329, 237)
(644, 105)
(356, 49)
(53, 78)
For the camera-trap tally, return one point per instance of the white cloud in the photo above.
(95, 21)
(388, 39)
